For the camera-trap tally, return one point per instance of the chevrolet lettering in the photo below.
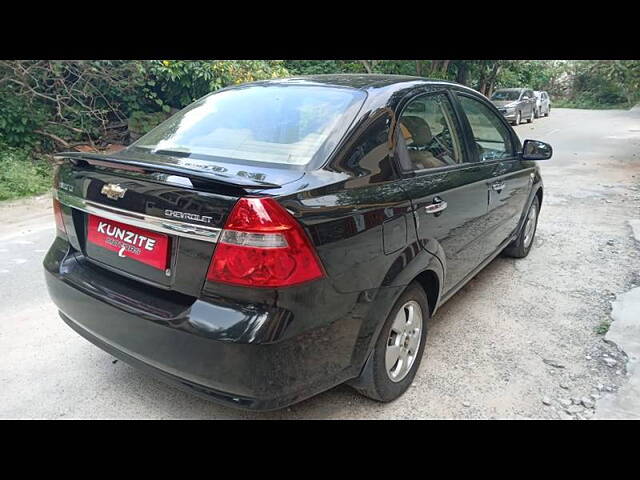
(188, 216)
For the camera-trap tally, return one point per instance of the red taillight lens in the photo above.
(57, 213)
(262, 245)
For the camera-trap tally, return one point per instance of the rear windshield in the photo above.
(506, 95)
(286, 124)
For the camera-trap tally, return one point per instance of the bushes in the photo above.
(587, 103)
(55, 105)
(602, 84)
(177, 83)
(68, 102)
(18, 119)
(320, 67)
(21, 174)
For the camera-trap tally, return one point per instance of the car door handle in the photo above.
(498, 186)
(438, 205)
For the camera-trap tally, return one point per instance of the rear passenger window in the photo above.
(491, 135)
(428, 136)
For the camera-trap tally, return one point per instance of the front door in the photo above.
(510, 181)
(448, 190)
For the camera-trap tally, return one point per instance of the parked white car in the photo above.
(543, 104)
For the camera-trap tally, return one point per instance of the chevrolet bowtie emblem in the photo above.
(113, 191)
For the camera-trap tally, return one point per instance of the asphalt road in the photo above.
(486, 350)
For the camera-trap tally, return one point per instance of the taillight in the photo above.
(262, 245)
(57, 213)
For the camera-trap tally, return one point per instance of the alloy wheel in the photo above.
(403, 343)
(530, 226)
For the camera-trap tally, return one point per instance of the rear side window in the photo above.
(492, 138)
(286, 124)
(427, 133)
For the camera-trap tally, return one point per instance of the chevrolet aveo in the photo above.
(275, 239)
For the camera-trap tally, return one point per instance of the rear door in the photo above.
(509, 182)
(447, 188)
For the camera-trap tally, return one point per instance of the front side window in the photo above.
(286, 124)
(491, 136)
(428, 135)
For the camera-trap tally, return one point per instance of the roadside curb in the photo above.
(625, 334)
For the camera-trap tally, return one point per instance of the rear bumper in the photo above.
(245, 370)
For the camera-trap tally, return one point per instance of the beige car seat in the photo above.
(417, 135)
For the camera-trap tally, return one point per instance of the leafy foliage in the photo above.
(21, 174)
(141, 122)
(605, 83)
(18, 119)
(172, 83)
(320, 67)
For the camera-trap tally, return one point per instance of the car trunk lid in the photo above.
(155, 222)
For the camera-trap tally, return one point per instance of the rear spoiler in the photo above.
(199, 175)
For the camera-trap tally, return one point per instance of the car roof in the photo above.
(381, 90)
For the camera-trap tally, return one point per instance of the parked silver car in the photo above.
(515, 104)
(543, 103)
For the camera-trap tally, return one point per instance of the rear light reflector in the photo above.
(248, 239)
(262, 245)
(57, 213)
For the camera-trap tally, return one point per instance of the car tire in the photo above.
(536, 114)
(530, 119)
(521, 246)
(548, 111)
(376, 380)
(518, 118)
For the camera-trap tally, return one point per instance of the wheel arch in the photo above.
(430, 283)
(430, 280)
(539, 195)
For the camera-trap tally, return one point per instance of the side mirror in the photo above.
(536, 150)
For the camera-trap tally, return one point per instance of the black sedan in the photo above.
(275, 239)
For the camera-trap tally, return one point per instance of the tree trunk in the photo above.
(482, 82)
(462, 75)
(492, 79)
(445, 66)
(367, 66)
(418, 68)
